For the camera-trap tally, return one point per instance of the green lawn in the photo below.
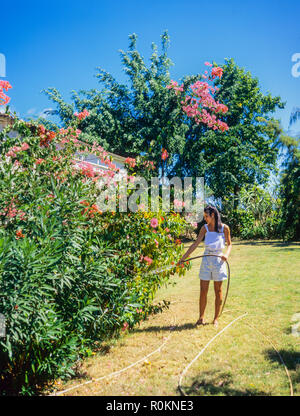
(265, 283)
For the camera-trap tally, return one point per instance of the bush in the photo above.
(71, 276)
(257, 215)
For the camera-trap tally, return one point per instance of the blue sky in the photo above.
(59, 43)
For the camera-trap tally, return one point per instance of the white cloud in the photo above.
(43, 114)
(31, 111)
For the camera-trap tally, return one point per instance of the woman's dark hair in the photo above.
(209, 210)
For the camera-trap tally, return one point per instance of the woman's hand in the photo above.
(180, 262)
(192, 247)
(224, 257)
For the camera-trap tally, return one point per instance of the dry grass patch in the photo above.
(239, 362)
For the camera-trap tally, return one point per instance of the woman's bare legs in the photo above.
(204, 284)
(218, 300)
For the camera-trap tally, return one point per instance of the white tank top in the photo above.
(214, 240)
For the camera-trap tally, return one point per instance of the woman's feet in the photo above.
(201, 322)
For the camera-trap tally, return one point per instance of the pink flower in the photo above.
(4, 85)
(39, 161)
(11, 153)
(22, 215)
(216, 72)
(130, 162)
(147, 260)
(178, 203)
(25, 146)
(201, 104)
(19, 234)
(125, 326)
(174, 86)
(41, 129)
(149, 164)
(154, 222)
(16, 148)
(156, 242)
(164, 154)
(82, 115)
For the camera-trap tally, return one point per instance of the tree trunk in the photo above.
(236, 193)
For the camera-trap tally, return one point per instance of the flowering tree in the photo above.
(143, 116)
(198, 102)
(136, 119)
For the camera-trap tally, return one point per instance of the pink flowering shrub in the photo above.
(71, 274)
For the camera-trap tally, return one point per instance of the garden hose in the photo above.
(116, 373)
(228, 267)
(197, 257)
(202, 351)
(198, 355)
(219, 333)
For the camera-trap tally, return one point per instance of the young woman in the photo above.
(215, 235)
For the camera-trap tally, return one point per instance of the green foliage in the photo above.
(144, 116)
(71, 276)
(129, 119)
(247, 151)
(290, 191)
(257, 215)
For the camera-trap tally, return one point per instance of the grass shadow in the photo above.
(291, 360)
(289, 249)
(183, 327)
(267, 243)
(216, 383)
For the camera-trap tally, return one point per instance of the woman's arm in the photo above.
(194, 245)
(228, 242)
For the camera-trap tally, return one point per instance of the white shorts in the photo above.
(213, 268)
